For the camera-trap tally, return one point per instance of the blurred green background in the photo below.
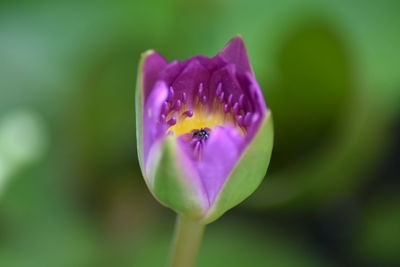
(71, 192)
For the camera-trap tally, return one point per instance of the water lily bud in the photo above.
(204, 132)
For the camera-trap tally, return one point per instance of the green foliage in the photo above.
(329, 71)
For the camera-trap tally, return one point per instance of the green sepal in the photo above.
(174, 187)
(248, 172)
(139, 103)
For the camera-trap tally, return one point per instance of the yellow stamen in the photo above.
(200, 119)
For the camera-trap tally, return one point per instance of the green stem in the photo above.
(187, 239)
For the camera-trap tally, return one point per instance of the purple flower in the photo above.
(204, 131)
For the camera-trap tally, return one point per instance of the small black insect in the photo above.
(201, 134)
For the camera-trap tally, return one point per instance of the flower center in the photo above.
(199, 120)
(204, 110)
(201, 134)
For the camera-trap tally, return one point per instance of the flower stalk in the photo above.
(186, 243)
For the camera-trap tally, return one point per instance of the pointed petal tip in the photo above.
(147, 52)
(235, 52)
(144, 56)
(153, 56)
(237, 38)
(150, 66)
(235, 44)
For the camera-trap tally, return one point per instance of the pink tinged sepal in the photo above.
(174, 181)
(248, 172)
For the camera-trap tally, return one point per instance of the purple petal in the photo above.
(189, 168)
(220, 154)
(152, 68)
(152, 129)
(172, 71)
(211, 64)
(235, 52)
(256, 93)
(227, 77)
(218, 157)
(189, 79)
(256, 98)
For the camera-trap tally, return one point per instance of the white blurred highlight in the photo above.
(23, 140)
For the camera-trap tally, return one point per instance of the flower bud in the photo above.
(204, 132)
